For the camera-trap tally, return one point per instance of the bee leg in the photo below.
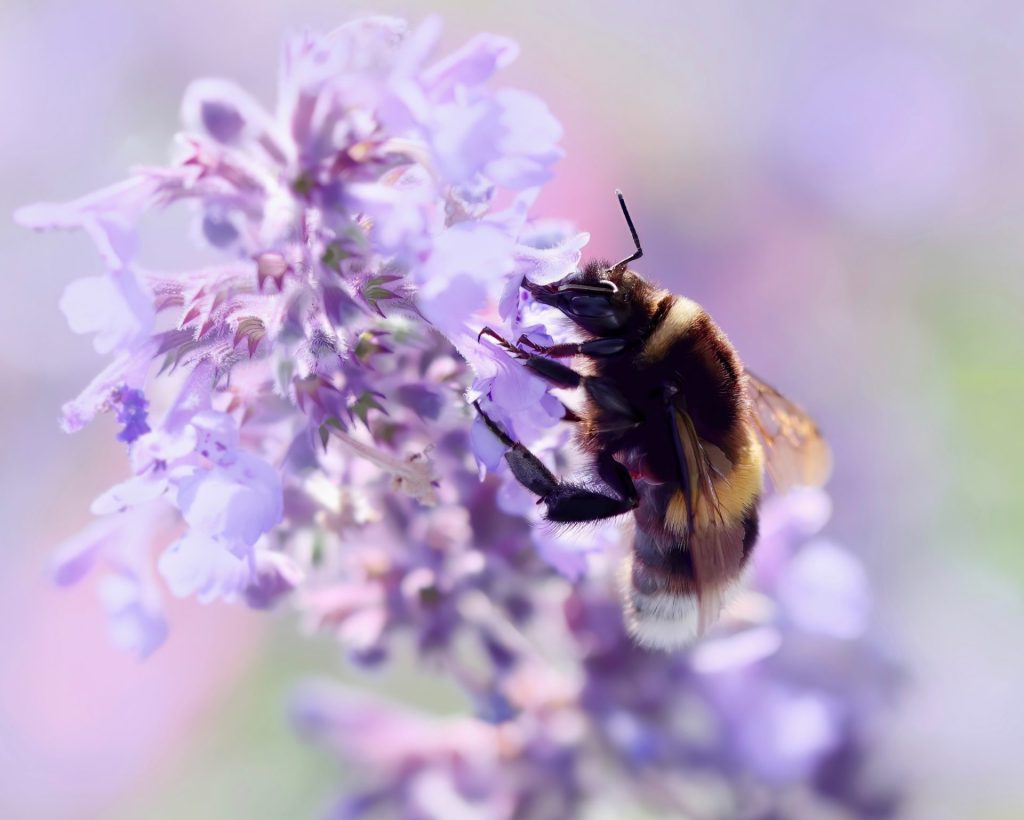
(615, 407)
(595, 348)
(504, 343)
(548, 369)
(554, 372)
(526, 467)
(571, 503)
(567, 502)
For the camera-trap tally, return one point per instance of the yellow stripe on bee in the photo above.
(679, 317)
(735, 492)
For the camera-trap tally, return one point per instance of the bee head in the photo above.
(602, 300)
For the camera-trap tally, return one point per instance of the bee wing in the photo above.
(796, 454)
(696, 469)
(715, 544)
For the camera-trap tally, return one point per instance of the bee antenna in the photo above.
(632, 230)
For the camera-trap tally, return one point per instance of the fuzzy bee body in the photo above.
(680, 433)
(679, 568)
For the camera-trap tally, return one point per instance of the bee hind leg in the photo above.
(567, 502)
(572, 503)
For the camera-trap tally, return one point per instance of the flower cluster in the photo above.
(302, 372)
(772, 716)
(299, 427)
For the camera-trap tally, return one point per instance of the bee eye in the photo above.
(591, 307)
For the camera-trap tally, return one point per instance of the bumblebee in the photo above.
(679, 433)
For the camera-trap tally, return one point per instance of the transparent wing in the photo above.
(796, 454)
(696, 471)
(714, 544)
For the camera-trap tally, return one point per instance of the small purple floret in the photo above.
(132, 413)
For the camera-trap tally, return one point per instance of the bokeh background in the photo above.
(841, 184)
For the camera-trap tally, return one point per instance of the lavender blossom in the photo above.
(351, 220)
(299, 425)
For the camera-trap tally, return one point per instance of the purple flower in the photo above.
(238, 502)
(275, 576)
(207, 567)
(133, 608)
(119, 545)
(825, 589)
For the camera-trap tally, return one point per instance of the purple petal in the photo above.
(218, 228)
(825, 590)
(465, 138)
(736, 651)
(114, 307)
(131, 493)
(571, 564)
(486, 446)
(402, 217)
(417, 47)
(201, 565)
(192, 398)
(785, 733)
(529, 145)
(276, 576)
(473, 64)
(567, 550)
(158, 450)
(130, 198)
(73, 559)
(787, 521)
(238, 503)
(108, 216)
(549, 264)
(216, 436)
(516, 389)
(456, 280)
(135, 619)
(229, 115)
(422, 400)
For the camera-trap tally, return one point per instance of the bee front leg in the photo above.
(595, 348)
(567, 502)
(554, 372)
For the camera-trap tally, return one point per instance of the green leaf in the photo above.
(366, 402)
(303, 185)
(333, 255)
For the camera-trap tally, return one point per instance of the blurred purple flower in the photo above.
(738, 708)
(119, 546)
(275, 576)
(133, 609)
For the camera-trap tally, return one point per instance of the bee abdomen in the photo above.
(668, 601)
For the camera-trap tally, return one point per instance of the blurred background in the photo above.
(841, 185)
